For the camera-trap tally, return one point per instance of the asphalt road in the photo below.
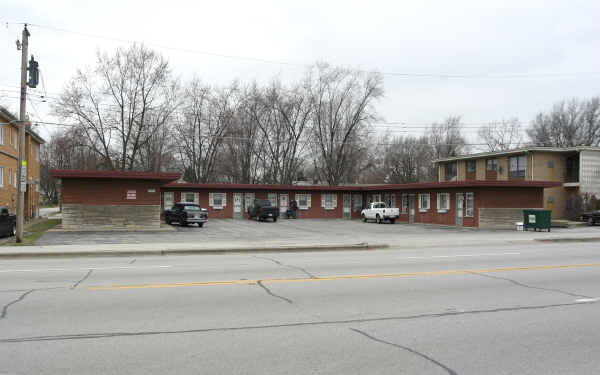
(529, 309)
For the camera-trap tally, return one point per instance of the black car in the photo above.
(591, 217)
(8, 222)
(261, 209)
(186, 213)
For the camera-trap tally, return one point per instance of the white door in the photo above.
(284, 200)
(460, 204)
(237, 205)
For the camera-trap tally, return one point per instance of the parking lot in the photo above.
(287, 231)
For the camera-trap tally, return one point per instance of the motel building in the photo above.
(103, 200)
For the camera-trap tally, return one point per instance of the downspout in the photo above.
(532, 166)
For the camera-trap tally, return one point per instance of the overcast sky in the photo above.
(545, 41)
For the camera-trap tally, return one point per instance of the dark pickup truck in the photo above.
(8, 222)
(186, 213)
(591, 217)
(261, 209)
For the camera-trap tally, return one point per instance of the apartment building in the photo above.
(9, 154)
(576, 168)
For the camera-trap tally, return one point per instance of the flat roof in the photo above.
(519, 151)
(121, 175)
(378, 187)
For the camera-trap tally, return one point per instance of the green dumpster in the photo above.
(537, 219)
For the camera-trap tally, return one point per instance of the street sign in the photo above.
(23, 184)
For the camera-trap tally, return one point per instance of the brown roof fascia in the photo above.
(120, 175)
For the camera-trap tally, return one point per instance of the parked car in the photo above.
(8, 222)
(186, 213)
(591, 217)
(261, 209)
(379, 212)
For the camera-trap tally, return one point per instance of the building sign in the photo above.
(151, 190)
(531, 219)
(23, 182)
(130, 194)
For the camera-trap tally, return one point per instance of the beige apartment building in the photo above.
(577, 168)
(9, 154)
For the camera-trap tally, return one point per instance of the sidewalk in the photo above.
(476, 238)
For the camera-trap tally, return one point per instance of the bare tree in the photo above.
(407, 159)
(502, 136)
(282, 115)
(121, 104)
(343, 109)
(572, 123)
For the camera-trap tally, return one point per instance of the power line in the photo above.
(278, 62)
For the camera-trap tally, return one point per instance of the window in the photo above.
(443, 202)
(37, 153)
(2, 134)
(10, 176)
(1, 176)
(550, 163)
(168, 199)
(37, 188)
(248, 200)
(471, 166)
(273, 198)
(15, 179)
(470, 205)
(423, 202)
(450, 171)
(390, 200)
(356, 202)
(404, 203)
(329, 201)
(16, 143)
(491, 164)
(10, 135)
(517, 165)
(376, 198)
(217, 200)
(303, 200)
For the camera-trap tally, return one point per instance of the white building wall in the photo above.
(589, 172)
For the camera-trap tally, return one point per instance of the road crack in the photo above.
(133, 261)
(82, 279)
(98, 335)
(21, 298)
(298, 268)
(269, 292)
(518, 283)
(406, 348)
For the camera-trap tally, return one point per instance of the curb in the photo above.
(158, 252)
(568, 239)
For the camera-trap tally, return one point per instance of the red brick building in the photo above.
(96, 199)
(106, 200)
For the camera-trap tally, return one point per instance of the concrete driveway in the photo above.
(293, 231)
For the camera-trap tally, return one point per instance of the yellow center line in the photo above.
(345, 277)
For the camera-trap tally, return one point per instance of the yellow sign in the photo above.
(24, 163)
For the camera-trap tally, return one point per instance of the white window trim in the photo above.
(172, 200)
(2, 127)
(272, 197)
(308, 202)
(211, 200)
(443, 209)
(1, 176)
(421, 208)
(332, 205)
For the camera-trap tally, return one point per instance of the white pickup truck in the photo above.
(379, 212)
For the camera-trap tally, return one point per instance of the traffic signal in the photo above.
(34, 73)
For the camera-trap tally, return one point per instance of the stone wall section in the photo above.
(500, 218)
(106, 217)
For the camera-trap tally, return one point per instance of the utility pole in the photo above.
(22, 164)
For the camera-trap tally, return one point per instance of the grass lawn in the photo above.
(35, 231)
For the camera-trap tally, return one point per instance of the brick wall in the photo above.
(109, 191)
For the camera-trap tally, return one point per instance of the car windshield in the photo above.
(191, 208)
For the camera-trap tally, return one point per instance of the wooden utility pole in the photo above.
(22, 164)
